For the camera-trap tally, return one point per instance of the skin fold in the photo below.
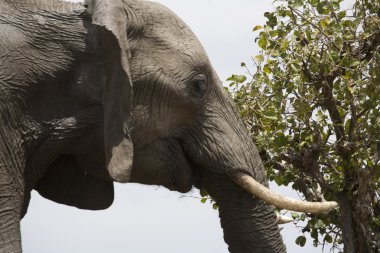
(118, 91)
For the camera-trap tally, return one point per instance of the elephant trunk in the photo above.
(249, 224)
(11, 205)
(239, 158)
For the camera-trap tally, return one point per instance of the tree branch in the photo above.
(315, 26)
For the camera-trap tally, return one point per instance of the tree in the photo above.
(313, 108)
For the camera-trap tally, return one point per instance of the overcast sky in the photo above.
(152, 219)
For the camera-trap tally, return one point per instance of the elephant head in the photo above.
(186, 131)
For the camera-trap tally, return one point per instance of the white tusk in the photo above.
(281, 219)
(255, 188)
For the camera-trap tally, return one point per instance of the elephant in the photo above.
(122, 91)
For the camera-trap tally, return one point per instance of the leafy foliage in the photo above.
(206, 197)
(313, 108)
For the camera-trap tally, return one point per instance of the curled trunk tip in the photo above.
(255, 188)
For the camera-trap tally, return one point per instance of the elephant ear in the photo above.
(111, 36)
(67, 183)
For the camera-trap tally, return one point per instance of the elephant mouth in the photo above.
(171, 163)
(187, 172)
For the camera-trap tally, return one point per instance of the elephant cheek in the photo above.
(162, 163)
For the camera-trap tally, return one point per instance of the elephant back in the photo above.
(38, 39)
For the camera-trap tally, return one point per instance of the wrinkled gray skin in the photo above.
(58, 112)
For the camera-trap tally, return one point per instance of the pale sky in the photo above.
(153, 219)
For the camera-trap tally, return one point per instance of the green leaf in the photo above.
(259, 58)
(203, 192)
(376, 220)
(322, 8)
(342, 14)
(274, 53)
(281, 140)
(338, 41)
(258, 27)
(241, 78)
(314, 2)
(295, 216)
(285, 45)
(263, 42)
(203, 200)
(273, 33)
(348, 23)
(272, 19)
(298, 3)
(269, 114)
(267, 69)
(328, 238)
(325, 22)
(279, 180)
(215, 206)
(314, 234)
(301, 240)
(319, 224)
(232, 78)
(294, 67)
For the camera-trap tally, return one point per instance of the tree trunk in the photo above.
(346, 218)
(362, 215)
(248, 223)
(355, 218)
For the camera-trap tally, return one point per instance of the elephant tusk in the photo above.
(255, 188)
(281, 219)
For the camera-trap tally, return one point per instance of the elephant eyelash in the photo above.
(199, 86)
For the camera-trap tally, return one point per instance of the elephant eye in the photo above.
(199, 87)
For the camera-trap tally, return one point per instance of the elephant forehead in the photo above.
(179, 36)
(170, 30)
